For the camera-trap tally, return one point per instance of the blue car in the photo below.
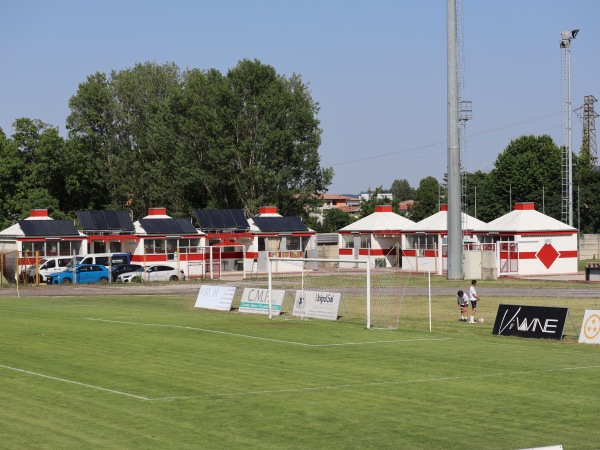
(84, 274)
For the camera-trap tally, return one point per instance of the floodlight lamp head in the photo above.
(574, 33)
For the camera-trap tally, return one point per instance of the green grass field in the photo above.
(154, 372)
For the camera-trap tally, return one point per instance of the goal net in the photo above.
(336, 289)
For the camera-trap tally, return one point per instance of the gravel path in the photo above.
(192, 289)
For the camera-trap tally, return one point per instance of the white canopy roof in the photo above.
(439, 222)
(524, 219)
(383, 219)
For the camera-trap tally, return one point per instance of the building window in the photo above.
(348, 240)
(365, 241)
(154, 246)
(294, 243)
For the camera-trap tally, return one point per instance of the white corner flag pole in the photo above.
(429, 282)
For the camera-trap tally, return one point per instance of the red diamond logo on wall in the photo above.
(547, 255)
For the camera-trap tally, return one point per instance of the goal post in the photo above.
(335, 289)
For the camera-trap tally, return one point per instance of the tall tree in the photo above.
(401, 190)
(586, 183)
(427, 198)
(335, 219)
(274, 136)
(529, 170)
(31, 170)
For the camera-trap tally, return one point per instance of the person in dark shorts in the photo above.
(462, 300)
(473, 297)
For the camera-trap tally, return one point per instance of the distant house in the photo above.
(346, 203)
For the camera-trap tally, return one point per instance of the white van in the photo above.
(104, 259)
(48, 265)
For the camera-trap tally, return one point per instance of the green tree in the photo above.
(586, 184)
(427, 198)
(529, 170)
(475, 184)
(401, 190)
(31, 171)
(152, 136)
(335, 219)
(274, 135)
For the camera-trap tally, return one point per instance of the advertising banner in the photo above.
(256, 301)
(215, 297)
(590, 328)
(530, 321)
(317, 304)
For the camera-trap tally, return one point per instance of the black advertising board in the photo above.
(530, 321)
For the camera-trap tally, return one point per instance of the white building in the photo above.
(38, 236)
(278, 236)
(527, 242)
(426, 242)
(377, 237)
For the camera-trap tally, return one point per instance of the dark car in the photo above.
(122, 268)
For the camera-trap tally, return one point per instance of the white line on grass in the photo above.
(359, 385)
(262, 338)
(195, 329)
(64, 380)
(278, 391)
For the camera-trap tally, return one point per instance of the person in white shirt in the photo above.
(462, 299)
(473, 297)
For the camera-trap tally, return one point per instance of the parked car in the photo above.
(105, 259)
(47, 266)
(152, 273)
(84, 274)
(117, 270)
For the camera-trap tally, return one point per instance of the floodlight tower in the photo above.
(588, 116)
(567, 154)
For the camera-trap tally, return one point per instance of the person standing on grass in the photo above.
(462, 299)
(473, 297)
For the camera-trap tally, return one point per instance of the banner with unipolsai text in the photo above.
(317, 304)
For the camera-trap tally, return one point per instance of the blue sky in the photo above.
(377, 68)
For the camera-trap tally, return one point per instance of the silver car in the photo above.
(152, 273)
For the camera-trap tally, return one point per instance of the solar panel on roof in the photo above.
(106, 221)
(167, 226)
(86, 220)
(221, 219)
(271, 224)
(48, 228)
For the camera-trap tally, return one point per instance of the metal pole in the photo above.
(569, 136)
(455, 271)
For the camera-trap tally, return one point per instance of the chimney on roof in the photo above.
(157, 211)
(383, 208)
(524, 206)
(267, 210)
(444, 207)
(38, 213)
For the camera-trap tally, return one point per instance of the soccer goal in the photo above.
(336, 289)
